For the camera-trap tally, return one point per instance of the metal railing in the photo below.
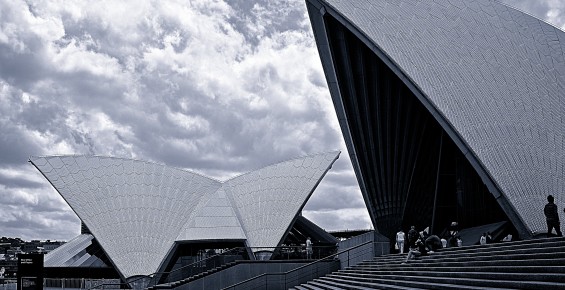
(169, 276)
(260, 253)
(67, 283)
(199, 266)
(221, 259)
(8, 284)
(301, 274)
(79, 283)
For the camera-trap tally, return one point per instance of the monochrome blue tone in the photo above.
(492, 77)
(137, 210)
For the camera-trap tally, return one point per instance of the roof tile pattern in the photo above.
(281, 190)
(215, 214)
(495, 74)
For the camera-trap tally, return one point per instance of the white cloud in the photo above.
(341, 219)
(76, 57)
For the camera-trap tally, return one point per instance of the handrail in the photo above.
(152, 275)
(241, 248)
(200, 261)
(297, 268)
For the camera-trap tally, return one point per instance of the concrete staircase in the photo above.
(532, 264)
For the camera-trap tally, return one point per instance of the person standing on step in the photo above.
(413, 236)
(308, 248)
(489, 238)
(552, 217)
(400, 236)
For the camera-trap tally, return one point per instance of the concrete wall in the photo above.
(380, 245)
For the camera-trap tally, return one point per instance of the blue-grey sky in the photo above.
(216, 87)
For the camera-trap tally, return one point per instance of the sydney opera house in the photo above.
(137, 216)
(451, 110)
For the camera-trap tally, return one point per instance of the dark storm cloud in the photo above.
(14, 145)
(50, 226)
(14, 182)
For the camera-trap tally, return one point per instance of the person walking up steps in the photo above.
(400, 240)
(412, 237)
(552, 217)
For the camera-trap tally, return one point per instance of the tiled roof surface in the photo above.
(137, 209)
(495, 74)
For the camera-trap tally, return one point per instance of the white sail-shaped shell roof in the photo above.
(493, 76)
(136, 210)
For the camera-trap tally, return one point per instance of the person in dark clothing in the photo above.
(552, 217)
(433, 243)
(413, 236)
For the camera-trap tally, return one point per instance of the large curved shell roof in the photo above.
(280, 190)
(492, 75)
(136, 210)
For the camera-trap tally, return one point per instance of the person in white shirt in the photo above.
(444, 243)
(308, 248)
(400, 241)
(483, 239)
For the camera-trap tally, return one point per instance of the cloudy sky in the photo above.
(216, 87)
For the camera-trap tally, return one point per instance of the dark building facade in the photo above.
(451, 110)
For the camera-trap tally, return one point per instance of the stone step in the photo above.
(334, 283)
(312, 286)
(400, 284)
(303, 287)
(543, 277)
(532, 264)
(557, 256)
(451, 283)
(477, 263)
(530, 244)
(513, 243)
(331, 285)
(497, 268)
(455, 254)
